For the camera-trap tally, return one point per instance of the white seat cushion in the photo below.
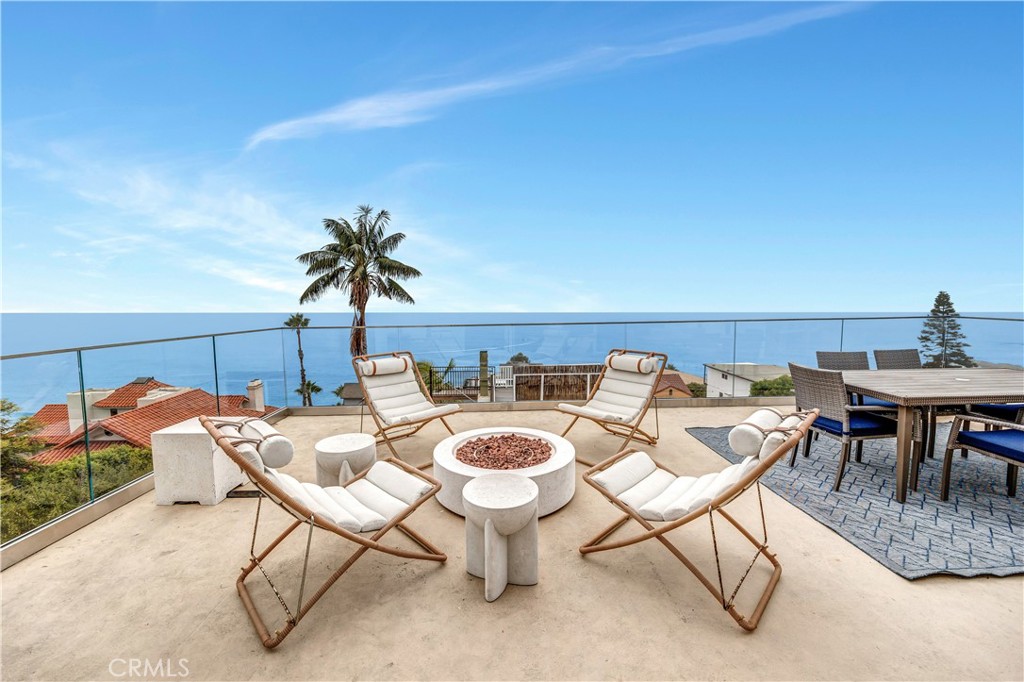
(657, 495)
(625, 473)
(363, 505)
(620, 397)
(397, 398)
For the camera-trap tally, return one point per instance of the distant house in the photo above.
(672, 385)
(156, 408)
(725, 379)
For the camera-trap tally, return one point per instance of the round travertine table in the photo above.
(555, 478)
(339, 458)
(501, 531)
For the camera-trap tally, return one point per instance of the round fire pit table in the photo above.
(555, 478)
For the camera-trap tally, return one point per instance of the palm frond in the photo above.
(396, 269)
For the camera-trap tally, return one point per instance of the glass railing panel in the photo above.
(327, 364)
(690, 347)
(39, 480)
(253, 358)
(564, 359)
(764, 348)
(866, 334)
(994, 341)
(132, 391)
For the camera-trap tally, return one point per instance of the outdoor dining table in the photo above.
(910, 389)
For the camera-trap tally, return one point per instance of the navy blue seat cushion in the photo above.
(1007, 412)
(877, 402)
(1009, 442)
(861, 424)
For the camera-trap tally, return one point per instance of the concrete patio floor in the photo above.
(157, 584)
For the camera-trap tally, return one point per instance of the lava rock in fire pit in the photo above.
(505, 451)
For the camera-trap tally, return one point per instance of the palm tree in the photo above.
(358, 262)
(307, 389)
(339, 391)
(298, 322)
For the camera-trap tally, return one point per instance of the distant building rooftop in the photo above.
(127, 397)
(748, 370)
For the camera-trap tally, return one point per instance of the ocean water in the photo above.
(229, 360)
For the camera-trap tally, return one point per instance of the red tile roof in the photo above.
(51, 413)
(59, 454)
(673, 381)
(54, 420)
(129, 394)
(136, 426)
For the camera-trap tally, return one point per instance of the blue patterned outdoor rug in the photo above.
(978, 531)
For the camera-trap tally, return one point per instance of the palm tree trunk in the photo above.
(307, 400)
(357, 342)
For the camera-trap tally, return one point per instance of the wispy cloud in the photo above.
(399, 108)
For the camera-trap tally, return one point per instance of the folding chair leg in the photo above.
(931, 433)
(748, 623)
(807, 444)
(860, 450)
(947, 468)
(916, 461)
(1011, 480)
(571, 424)
(844, 455)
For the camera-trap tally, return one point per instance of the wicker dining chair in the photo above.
(840, 360)
(903, 358)
(1003, 441)
(362, 512)
(840, 419)
(660, 500)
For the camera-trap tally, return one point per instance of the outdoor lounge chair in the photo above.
(397, 397)
(650, 494)
(379, 499)
(1004, 442)
(622, 395)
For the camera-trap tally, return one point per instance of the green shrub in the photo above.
(46, 492)
(778, 386)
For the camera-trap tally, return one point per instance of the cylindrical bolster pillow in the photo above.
(746, 439)
(275, 449)
(777, 438)
(376, 368)
(632, 363)
(246, 450)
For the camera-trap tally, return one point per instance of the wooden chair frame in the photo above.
(631, 430)
(751, 479)
(407, 429)
(1012, 465)
(312, 520)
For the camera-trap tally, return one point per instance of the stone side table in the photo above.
(340, 458)
(501, 531)
(189, 467)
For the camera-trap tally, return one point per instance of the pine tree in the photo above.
(942, 340)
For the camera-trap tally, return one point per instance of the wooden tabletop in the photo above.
(938, 386)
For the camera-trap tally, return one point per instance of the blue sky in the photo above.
(721, 157)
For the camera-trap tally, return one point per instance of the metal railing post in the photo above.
(85, 427)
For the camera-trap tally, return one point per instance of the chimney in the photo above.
(255, 391)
